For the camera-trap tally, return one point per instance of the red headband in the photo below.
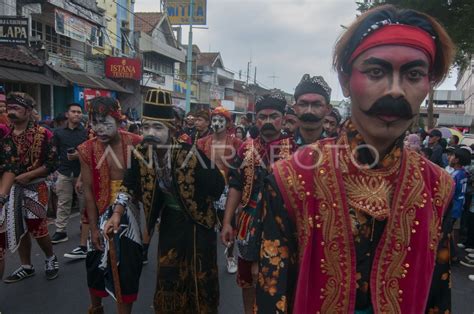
(398, 34)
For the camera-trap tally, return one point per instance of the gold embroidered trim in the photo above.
(399, 230)
(335, 237)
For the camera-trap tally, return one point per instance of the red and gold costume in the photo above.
(232, 147)
(252, 165)
(92, 153)
(351, 237)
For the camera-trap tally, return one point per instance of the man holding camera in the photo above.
(66, 140)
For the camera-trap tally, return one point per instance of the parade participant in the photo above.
(331, 123)
(177, 185)
(312, 104)
(202, 122)
(28, 152)
(189, 127)
(245, 122)
(251, 165)
(103, 162)
(240, 133)
(7, 178)
(3, 108)
(291, 122)
(352, 224)
(180, 135)
(66, 141)
(221, 148)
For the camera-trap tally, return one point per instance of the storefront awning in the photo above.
(16, 75)
(91, 81)
(451, 120)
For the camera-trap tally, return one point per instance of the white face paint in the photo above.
(218, 124)
(155, 132)
(105, 128)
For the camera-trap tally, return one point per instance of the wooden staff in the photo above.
(114, 267)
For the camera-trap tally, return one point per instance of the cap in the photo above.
(435, 132)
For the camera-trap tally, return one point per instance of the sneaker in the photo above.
(77, 253)
(461, 245)
(59, 237)
(20, 274)
(52, 268)
(468, 263)
(231, 265)
(471, 277)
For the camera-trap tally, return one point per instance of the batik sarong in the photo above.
(26, 212)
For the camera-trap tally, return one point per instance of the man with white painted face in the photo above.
(104, 160)
(176, 185)
(29, 154)
(221, 149)
(312, 104)
(251, 165)
(353, 223)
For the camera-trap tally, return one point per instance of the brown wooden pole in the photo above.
(114, 267)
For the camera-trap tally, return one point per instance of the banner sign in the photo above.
(178, 12)
(116, 67)
(84, 94)
(76, 28)
(180, 88)
(13, 30)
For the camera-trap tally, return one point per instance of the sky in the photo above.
(284, 39)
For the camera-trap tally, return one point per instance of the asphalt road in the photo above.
(68, 293)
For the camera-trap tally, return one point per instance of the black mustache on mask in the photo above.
(389, 106)
(309, 117)
(12, 116)
(148, 139)
(216, 127)
(267, 127)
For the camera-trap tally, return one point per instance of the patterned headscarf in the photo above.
(105, 106)
(275, 100)
(313, 85)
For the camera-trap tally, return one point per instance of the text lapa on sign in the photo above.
(13, 31)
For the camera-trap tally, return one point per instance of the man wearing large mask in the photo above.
(176, 185)
(221, 149)
(252, 164)
(366, 212)
(104, 160)
(312, 104)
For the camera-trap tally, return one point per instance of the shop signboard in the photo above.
(13, 30)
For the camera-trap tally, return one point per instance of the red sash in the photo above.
(92, 152)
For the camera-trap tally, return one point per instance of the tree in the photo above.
(455, 15)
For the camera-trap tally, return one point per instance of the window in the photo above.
(56, 43)
(37, 29)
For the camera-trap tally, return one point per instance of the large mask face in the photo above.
(269, 122)
(105, 128)
(218, 124)
(155, 132)
(387, 86)
(311, 109)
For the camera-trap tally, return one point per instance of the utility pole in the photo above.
(255, 76)
(273, 77)
(189, 57)
(248, 71)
